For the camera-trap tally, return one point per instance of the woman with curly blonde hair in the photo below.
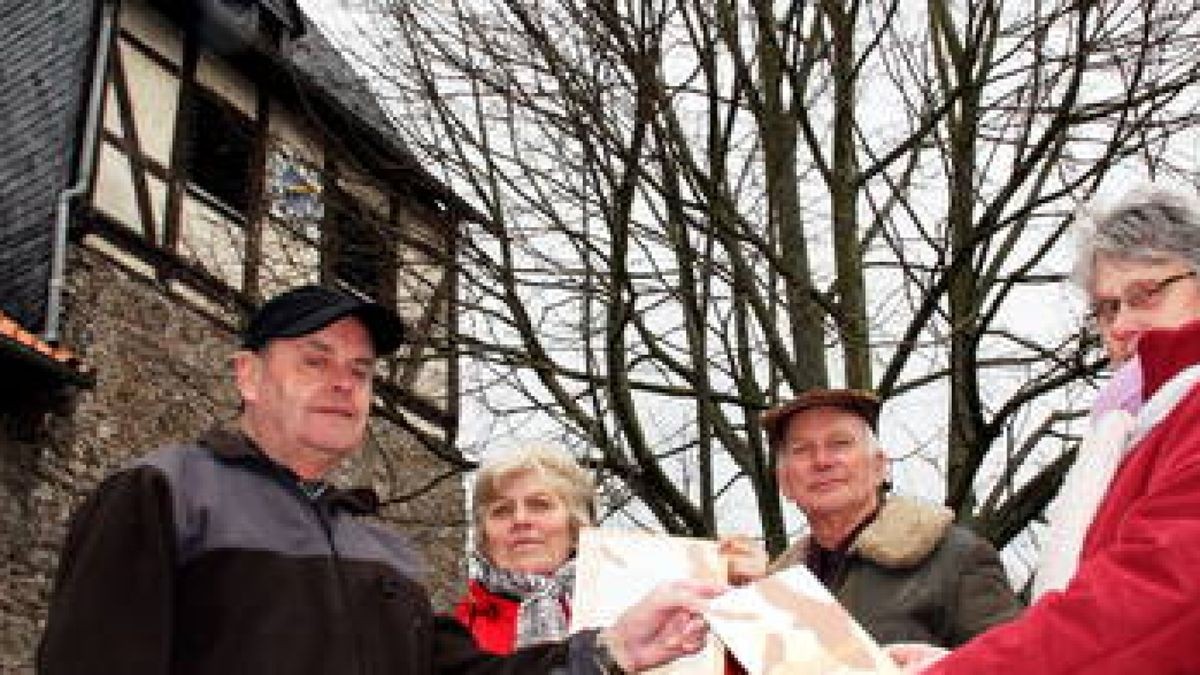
(527, 508)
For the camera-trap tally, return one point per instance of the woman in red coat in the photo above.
(527, 508)
(1129, 600)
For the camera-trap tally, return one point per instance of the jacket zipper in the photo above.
(343, 598)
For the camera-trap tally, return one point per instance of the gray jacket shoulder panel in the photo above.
(235, 504)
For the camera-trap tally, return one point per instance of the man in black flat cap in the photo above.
(231, 554)
(899, 565)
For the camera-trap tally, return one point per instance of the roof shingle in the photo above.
(17, 341)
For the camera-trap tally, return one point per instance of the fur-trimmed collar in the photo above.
(904, 533)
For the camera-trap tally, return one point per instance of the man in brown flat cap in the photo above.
(899, 565)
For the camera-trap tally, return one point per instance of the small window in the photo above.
(220, 145)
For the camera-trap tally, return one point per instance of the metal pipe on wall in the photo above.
(62, 221)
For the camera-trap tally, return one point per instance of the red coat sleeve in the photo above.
(111, 606)
(490, 618)
(1134, 604)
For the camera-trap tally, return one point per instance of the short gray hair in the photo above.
(1150, 224)
(556, 467)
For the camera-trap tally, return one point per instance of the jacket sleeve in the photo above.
(1133, 606)
(983, 597)
(111, 606)
(455, 652)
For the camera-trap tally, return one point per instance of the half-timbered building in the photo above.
(164, 166)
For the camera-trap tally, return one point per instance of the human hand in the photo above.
(746, 557)
(914, 657)
(663, 626)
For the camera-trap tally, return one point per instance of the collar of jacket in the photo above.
(231, 445)
(904, 533)
(1164, 353)
(488, 603)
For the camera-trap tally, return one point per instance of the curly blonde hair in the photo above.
(556, 468)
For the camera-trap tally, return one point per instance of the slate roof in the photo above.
(287, 13)
(320, 64)
(324, 69)
(44, 50)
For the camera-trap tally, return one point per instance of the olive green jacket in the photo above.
(914, 576)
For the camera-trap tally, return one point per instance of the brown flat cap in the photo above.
(862, 403)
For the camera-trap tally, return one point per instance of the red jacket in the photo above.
(1134, 603)
(491, 618)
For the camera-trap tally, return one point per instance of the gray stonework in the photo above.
(161, 375)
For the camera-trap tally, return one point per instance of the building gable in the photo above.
(286, 175)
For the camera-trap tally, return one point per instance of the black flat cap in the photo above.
(307, 309)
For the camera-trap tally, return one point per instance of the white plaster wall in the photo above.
(417, 278)
(113, 193)
(210, 240)
(431, 381)
(286, 261)
(155, 98)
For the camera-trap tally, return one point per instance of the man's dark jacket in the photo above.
(911, 575)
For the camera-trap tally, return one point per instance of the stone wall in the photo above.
(27, 437)
(161, 375)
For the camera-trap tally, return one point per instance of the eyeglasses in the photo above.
(1139, 295)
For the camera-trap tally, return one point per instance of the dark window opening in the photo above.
(358, 253)
(220, 145)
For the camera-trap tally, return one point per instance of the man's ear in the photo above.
(880, 466)
(247, 370)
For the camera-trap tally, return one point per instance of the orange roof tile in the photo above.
(12, 331)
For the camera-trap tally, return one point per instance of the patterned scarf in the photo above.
(541, 616)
